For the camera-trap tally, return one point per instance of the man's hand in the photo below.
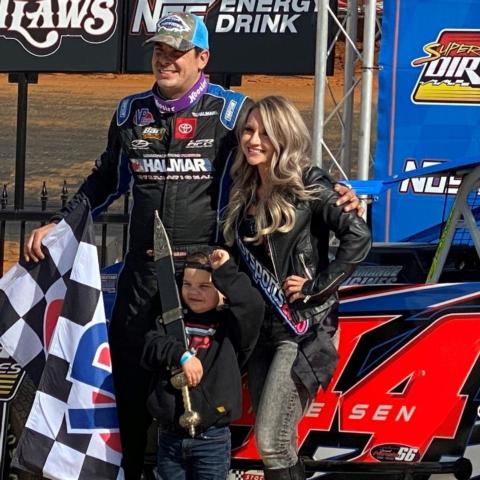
(349, 200)
(193, 371)
(33, 247)
(218, 257)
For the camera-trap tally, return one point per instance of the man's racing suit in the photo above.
(177, 163)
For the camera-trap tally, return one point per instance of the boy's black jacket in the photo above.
(218, 397)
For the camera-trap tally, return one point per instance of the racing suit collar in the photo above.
(186, 101)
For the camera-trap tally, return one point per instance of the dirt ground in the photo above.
(68, 117)
(69, 114)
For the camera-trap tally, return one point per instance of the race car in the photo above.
(405, 398)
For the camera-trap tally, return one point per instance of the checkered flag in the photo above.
(52, 322)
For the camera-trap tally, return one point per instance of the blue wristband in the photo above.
(184, 358)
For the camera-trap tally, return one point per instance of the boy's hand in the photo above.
(218, 257)
(193, 371)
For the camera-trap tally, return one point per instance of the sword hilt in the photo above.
(190, 419)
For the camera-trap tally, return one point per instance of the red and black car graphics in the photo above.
(407, 387)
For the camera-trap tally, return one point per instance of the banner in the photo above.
(52, 322)
(428, 109)
(246, 36)
(60, 35)
(256, 36)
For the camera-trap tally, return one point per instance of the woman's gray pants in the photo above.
(276, 401)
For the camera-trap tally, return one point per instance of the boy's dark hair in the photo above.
(198, 260)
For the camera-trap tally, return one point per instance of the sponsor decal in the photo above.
(11, 375)
(139, 144)
(395, 453)
(451, 69)
(248, 475)
(143, 117)
(154, 133)
(123, 108)
(205, 114)
(385, 396)
(173, 23)
(202, 143)
(374, 274)
(233, 17)
(192, 97)
(230, 109)
(172, 165)
(432, 185)
(40, 25)
(109, 282)
(135, 164)
(146, 15)
(185, 128)
(191, 165)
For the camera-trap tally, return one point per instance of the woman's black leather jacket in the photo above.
(304, 251)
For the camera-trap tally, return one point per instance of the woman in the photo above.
(280, 215)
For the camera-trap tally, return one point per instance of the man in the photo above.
(175, 143)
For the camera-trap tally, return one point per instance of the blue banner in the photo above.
(428, 109)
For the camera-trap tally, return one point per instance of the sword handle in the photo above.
(190, 419)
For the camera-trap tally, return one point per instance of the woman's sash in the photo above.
(268, 284)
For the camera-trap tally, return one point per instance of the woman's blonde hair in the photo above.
(291, 142)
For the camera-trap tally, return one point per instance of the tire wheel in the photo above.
(19, 409)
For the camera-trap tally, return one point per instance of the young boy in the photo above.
(222, 321)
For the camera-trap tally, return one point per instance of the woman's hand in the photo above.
(193, 371)
(292, 286)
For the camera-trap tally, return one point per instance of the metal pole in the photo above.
(321, 47)
(3, 224)
(23, 79)
(367, 84)
(21, 141)
(349, 80)
(3, 439)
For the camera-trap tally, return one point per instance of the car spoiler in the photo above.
(373, 188)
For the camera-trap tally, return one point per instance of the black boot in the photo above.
(297, 472)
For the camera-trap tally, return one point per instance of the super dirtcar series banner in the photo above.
(429, 101)
(246, 36)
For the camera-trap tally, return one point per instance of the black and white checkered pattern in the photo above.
(47, 310)
(245, 475)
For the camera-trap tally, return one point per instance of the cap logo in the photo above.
(173, 23)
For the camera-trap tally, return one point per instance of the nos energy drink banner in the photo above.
(429, 109)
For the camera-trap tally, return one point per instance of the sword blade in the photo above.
(172, 313)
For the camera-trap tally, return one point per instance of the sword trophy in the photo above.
(172, 316)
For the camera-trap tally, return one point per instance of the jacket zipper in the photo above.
(273, 260)
(335, 280)
(307, 272)
(304, 265)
